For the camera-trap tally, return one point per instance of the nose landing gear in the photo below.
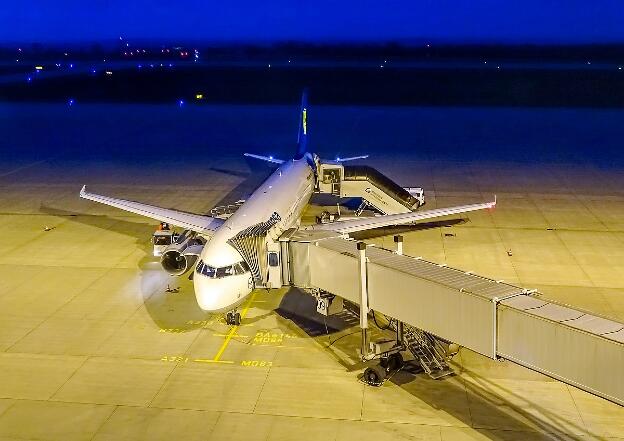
(233, 318)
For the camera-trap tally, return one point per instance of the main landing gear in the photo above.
(233, 318)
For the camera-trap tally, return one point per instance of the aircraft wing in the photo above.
(355, 225)
(194, 222)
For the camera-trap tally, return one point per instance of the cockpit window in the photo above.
(225, 271)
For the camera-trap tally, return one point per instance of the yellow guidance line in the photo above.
(205, 360)
(234, 329)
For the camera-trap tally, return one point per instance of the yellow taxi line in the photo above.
(234, 329)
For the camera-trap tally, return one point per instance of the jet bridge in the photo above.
(493, 318)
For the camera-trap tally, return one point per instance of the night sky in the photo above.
(448, 21)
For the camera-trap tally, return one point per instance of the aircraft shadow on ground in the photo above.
(259, 172)
(300, 309)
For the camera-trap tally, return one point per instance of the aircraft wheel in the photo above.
(229, 319)
(395, 362)
(374, 375)
(236, 319)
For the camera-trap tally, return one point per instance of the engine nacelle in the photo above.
(180, 257)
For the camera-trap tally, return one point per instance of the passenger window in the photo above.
(273, 259)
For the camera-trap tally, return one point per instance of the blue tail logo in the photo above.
(302, 138)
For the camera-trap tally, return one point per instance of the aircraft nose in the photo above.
(220, 295)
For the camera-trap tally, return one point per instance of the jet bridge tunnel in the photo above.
(491, 317)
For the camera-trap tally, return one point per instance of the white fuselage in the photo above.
(223, 285)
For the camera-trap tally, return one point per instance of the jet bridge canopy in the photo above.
(496, 319)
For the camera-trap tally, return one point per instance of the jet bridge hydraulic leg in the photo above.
(388, 350)
(426, 348)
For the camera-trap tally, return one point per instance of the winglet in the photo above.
(492, 205)
(83, 191)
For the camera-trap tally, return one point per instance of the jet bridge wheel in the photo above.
(394, 362)
(375, 375)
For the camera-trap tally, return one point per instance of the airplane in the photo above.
(225, 248)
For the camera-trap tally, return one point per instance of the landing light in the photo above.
(199, 96)
(39, 67)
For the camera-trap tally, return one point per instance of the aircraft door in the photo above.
(331, 178)
(274, 261)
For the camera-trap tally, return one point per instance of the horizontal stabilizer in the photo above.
(351, 158)
(264, 158)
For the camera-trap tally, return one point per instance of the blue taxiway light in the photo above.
(181, 103)
(29, 79)
(71, 102)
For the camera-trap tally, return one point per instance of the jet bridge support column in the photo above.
(361, 246)
(398, 240)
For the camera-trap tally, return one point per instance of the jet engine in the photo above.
(180, 257)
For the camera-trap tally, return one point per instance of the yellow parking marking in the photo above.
(234, 329)
(205, 360)
(256, 363)
(235, 335)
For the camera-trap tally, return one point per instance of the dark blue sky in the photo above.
(506, 21)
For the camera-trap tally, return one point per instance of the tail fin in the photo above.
(302, 138)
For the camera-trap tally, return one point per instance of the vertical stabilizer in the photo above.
(302, 138)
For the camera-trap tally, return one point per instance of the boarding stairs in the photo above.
(428, 352)
(376, 190)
